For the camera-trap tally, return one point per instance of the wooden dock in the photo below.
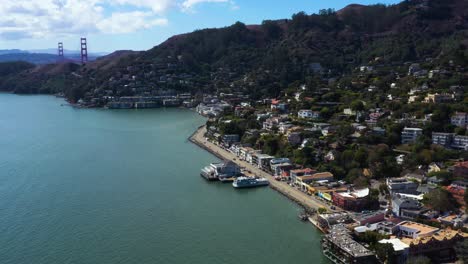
(317, 225)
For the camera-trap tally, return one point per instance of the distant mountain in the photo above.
(66, 52)
(10, 51)
(265, 59)
(35, 58)
(43, 56)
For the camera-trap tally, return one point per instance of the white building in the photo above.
(308, 114)
(283, 127)
(415, 230)
(410, 134)
(460, 142)
(460, 119)
(444, 139)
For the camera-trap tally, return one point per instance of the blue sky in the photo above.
(135, 24)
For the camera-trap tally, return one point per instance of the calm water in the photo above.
(102, 186)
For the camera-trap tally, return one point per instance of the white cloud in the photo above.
(157, 6)
(21, 19)
(188, 5)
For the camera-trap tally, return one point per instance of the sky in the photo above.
(111, 25)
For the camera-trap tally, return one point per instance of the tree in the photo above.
(361, 182)
(271, 29)
(466, 200)
(372, 238)
(353, 175)
(461, 248)
(322, 210)
(357, 105)
(385, 252)
(300, 21)
(440, 200)
(383, 188)
(419, 260)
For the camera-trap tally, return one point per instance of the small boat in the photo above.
(303, 216)
(227, 178)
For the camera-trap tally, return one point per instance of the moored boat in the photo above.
(248, 182)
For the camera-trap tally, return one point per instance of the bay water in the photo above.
(123, 186)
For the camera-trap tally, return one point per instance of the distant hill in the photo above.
(278, 53)
(35, 58)
(43, 56)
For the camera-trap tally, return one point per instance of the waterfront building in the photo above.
(228, 140)
(410, 134)
(172, 102)
(352, 200)
(340, 247)
(327, 220)
(279, 161)
(301, 172)
(304, 181)
(222, 169)
(281, 168)
(262, 161)
(326, 192)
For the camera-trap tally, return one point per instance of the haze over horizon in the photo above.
(113, 25)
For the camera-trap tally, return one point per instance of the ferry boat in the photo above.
(247, 182)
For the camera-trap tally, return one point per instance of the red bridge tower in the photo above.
(84, 51)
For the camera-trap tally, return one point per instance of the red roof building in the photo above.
(461, 169)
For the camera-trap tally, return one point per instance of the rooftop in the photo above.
(315, 176)
(340, 236)
(463, 164)
(356, 194)
(421, 228)
(445, 234)
(306, 170)
(412, 129)
(397, 244)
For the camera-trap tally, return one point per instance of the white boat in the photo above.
(248, 182)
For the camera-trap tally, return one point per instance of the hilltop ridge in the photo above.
(276, 53)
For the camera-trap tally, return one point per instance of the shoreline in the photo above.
(303, 200)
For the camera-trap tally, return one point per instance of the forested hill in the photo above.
(271, 56)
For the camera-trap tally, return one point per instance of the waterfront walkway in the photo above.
(282, 187)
